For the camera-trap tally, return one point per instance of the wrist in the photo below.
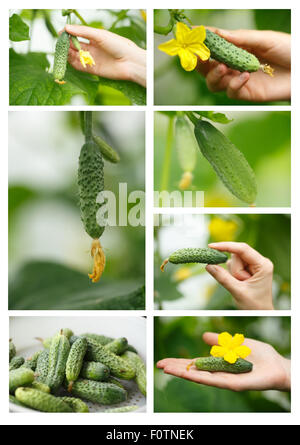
(285, 383)
(137, 68)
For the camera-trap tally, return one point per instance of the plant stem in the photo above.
(80, 17)
(167, 157)
(192, 118)
(88, 125)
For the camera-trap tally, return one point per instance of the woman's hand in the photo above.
(115, 57)
(248, 278)
(273, 48)
(270, 369)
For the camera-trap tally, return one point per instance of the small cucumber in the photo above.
(14, 400)
(117, 346)
(61, 57)
(99, 392)
(58, 355)
(40, 386)
(108, 153)
(203, 255)
(118, 366)
(103, 340)
(217, 364)
(75, 360)
(16, 362)
(47, 341)
(140, 370)
(228, 162)
(77, 405)
(12, 350)
(95, 371)
(116, 382)
(42, 365)
(122, 409)
(31, 362)
(41, 401)
(20, 377)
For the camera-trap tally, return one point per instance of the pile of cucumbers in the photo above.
(72, 369)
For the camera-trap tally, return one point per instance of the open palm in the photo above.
(270, 369)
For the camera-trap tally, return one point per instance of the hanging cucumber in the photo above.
(186, 147)
(228, 162)
(233, 56)
(61, 57)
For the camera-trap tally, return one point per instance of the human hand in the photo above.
(115, 57)
(270, 47)
(270, 370)
(248, 278)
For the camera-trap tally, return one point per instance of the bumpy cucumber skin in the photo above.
(41, 370)
(90, 184)
(217, 364)
(32, 361)
(16, 362)
(58, 355)
(118, 366)
(185, 144)
(234, 57)
(104, 340)
(20, 377)
(228, 162)
(203, 255)
(140, 370)
(12, 350)
(95, 371)
(117, 346)
(40, 386)
(107, 151)
(66, 331)
(77, 405)
(116, 382)
(75, 359)
(61, 56)
(99, 392)
(14, 400)
(40, 401)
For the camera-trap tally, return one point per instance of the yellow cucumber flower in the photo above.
(86, 58)
(188, 44)
(221, 229)
(230, 348)
(143, 14)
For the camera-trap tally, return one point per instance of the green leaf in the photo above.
(18, 30)
(221, 118)
(32, 84)
(51, 286)
(136, 93)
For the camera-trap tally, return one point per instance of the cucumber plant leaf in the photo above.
(30, 82)
(51, 286)
(136, 93)
(18, 30)
(221, 118)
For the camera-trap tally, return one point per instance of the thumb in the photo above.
(223, 277)
(210, 338)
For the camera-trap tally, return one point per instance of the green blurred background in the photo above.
(182, 337)
(190, 87)
(48, 247)
(265, 140)
(189, 286)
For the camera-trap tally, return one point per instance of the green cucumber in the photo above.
(99, 392)
(77, 405)
(75, 359)
(31, 362)
(90, 184)
(122, 409)
(20, 377)
(103, 340)
(40, 386)
(140, 370)
(16, 362)
(233, 56)
(41, 401)
(186, 145)
(108, 153)
(118, 366)
(15, 401)
(95, 371)
(58, 355)
(228, 162)
(117, 346)
(61, 57)
(47, 341)
(76, 43)
(116, 382)
(12, 350)
(218, 364)
(204, 255)
(42, 365)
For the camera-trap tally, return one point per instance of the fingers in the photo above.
(86, 32)
(236, 84)
(210, 338)
(245, 252)
(215, 77)
(237, 268)
(170, 361)
(223, 277)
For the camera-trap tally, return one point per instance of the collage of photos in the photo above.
(186, 307)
